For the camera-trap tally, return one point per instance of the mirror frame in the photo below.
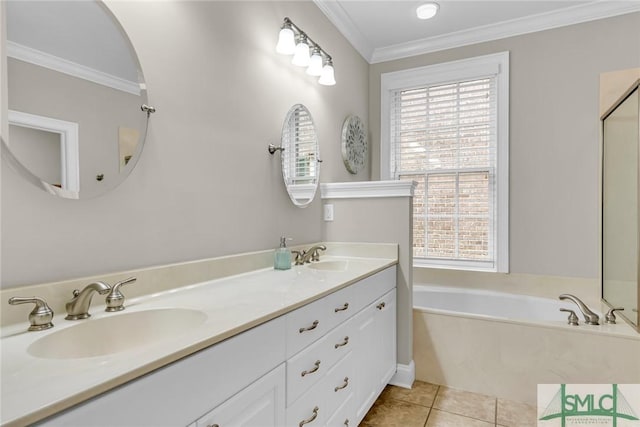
(29, 176)
(300, 194)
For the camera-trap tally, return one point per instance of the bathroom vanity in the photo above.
(314, 345)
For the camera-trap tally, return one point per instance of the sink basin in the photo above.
(333, 265)
(120, 332)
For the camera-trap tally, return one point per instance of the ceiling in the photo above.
(383, 30)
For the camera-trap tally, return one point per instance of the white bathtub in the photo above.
(497, 305)
(504, 345)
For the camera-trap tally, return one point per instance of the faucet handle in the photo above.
(115, 299)
(573, 319)
(610, 317)
(40, 317)
(298, 257)
(315, 256)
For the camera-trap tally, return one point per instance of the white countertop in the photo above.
(34, 388)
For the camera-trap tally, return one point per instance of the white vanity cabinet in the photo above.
(323, 364)
(335, 379)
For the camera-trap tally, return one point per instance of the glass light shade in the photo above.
(301, 55)
(327, 77)
(286, 42)
(427, 10)
(315, 64)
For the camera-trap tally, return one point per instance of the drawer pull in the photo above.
(343, 343)
(213, 425)
(310, 420)
(343, 308)
(317, 366)
(309, 328)
(346, 383)
(346, 422)
(381, 305)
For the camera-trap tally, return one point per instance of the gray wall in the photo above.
(554, 134)
(205, 185)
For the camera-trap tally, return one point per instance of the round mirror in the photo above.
(75, 97)
(300, 156)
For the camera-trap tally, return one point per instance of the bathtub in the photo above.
(503, 345)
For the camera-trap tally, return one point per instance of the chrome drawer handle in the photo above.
(317, 366)
(346, 383)
(309, 328)
(312, 419)
(343, 308)
(380, 306)
(342, 344)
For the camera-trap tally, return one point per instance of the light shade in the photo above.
(427, 10)
(301, 55)
(315, 64)
(286, 41)
(327, 77)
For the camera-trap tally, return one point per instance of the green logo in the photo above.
(588, 405)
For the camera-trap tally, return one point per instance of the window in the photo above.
(445, 126)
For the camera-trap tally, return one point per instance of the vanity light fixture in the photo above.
(427, 10)
(306, 53)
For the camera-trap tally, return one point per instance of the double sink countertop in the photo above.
(48, 371)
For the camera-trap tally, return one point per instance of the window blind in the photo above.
(445, 137)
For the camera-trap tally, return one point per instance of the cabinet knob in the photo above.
(343, 308)
(340, 387)
(312, 419)
(311, 371)
(309, 328)
(343, 343)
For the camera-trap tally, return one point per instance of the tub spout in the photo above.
(590, 317)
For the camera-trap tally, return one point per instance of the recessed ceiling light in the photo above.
(427, 10)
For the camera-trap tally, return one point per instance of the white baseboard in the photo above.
(405, 375)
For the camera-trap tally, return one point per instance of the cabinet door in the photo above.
(365, 380)
(260, 404)
(385, 325)
(375, 351)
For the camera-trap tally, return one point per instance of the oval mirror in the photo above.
(300, 156)
(75, 96)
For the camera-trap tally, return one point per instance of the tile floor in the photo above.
(429, 405)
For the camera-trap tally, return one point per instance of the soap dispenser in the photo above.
(282, 259)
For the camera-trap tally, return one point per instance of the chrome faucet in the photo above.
(78, 307)
(590, 317)
(313, 254)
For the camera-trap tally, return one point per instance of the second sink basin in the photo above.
(120, 332)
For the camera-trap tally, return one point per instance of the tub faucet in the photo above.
(78, 307)
(313, 253)
(590, 317)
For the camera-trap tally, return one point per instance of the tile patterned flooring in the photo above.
(429, 405)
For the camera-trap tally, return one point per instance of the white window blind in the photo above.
(444, 137)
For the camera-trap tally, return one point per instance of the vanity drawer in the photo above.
(310, 409)
(373, 287)
(341, 305)
(306, 325)
(345, 416)
(321, 355)
(338, 384)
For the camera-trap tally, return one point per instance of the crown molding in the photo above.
(367, 189)
(55, 63)
(342, 21)
(595, 10)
